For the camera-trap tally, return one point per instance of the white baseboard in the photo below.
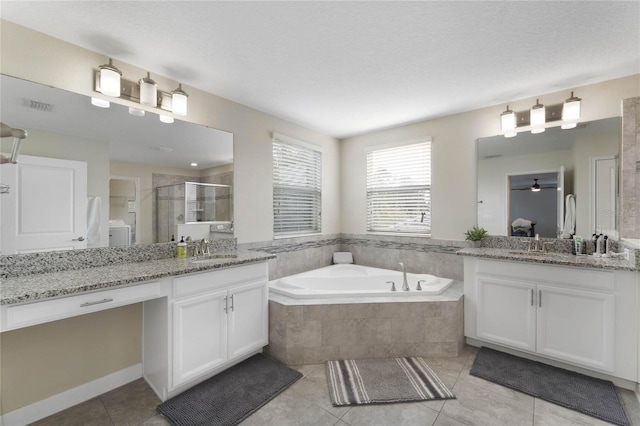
(62, 401)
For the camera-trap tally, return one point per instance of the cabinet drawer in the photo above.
(196, 283)
(40, 312)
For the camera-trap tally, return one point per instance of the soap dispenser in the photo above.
(181, 249)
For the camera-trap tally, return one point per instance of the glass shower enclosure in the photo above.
(199, 210)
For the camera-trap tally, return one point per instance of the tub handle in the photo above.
(393, 285)
(419, 287)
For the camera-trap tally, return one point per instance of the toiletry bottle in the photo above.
(181, 250)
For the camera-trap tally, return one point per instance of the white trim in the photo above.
(69, 398)
(395, 144)
(288, 139)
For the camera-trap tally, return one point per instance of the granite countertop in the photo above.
(37, 287)
(562, 259)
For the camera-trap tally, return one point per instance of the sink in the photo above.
(212, 257)
(528, 253)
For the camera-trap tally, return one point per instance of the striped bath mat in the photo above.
(378, 381)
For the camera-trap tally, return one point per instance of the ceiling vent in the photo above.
(37, 105)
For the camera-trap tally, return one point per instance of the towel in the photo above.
(342, 257)
(94, 208)
(521, 223)
(569, 217)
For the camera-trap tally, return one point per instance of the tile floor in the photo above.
(478, 402)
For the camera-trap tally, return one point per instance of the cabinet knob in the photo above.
(78, 239)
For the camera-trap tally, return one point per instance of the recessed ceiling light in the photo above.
(164, 149)
(194, 164)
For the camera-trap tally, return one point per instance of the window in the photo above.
(297, 194)
(399, 189)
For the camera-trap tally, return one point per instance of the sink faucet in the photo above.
(405, 284)
(204, 247)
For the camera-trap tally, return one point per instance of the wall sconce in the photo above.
(538, 117)
(571, 112)
(144, 91)
(535, 187)
(508, 123)
(110, 79)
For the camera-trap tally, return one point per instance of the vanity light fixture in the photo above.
(179, 101)
(538, 117)
(571, 112)
(508, 123)
(535, 187)
(148, 91)
(110, 79)
(100, 103)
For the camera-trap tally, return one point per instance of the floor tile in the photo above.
(476, 405)
(88, 413)
(290, 409)
(402, 414)
(444, 420)
(308, 369)
(157, 420)
(314, 387)
(131, 404)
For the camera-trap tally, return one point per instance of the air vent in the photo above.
(37, 105)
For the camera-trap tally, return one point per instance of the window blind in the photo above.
(399, 189)
(297, 183)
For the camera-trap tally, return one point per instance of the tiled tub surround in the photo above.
(420, 255)
(318, 332)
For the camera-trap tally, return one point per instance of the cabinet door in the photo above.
(248, 319)
(576, 326)
(506, 312)
(199, 335)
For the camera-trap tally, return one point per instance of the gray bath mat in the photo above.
(378, 381)
(594, 397)
(231, 396)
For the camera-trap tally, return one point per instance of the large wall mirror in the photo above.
(545, 183)
(128, 159)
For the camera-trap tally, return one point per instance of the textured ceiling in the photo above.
(345, 68)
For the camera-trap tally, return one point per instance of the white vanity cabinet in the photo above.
(579, 316)
(214, 320)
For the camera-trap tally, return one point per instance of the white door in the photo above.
(248, 318)
(576, 326)
(506, 312)
(199, 335)
(46, 207)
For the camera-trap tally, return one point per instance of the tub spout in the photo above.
(405, 284)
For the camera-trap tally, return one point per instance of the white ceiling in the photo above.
(346, 68)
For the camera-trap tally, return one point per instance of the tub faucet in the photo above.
(405, 284)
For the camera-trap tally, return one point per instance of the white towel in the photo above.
(94, 208)
(342, 257)
(569, 217)
(520, 222)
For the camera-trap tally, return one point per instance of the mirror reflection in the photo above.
(124, 156)
(556, 184)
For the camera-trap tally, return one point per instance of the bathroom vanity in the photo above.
(199, 318)
(577, 313)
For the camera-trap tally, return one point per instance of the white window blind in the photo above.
(399, 189)
(297, 196)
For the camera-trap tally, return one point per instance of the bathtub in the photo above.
(348, 281)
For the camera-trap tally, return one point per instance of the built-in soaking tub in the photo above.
(338, 281)
(350, 312)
